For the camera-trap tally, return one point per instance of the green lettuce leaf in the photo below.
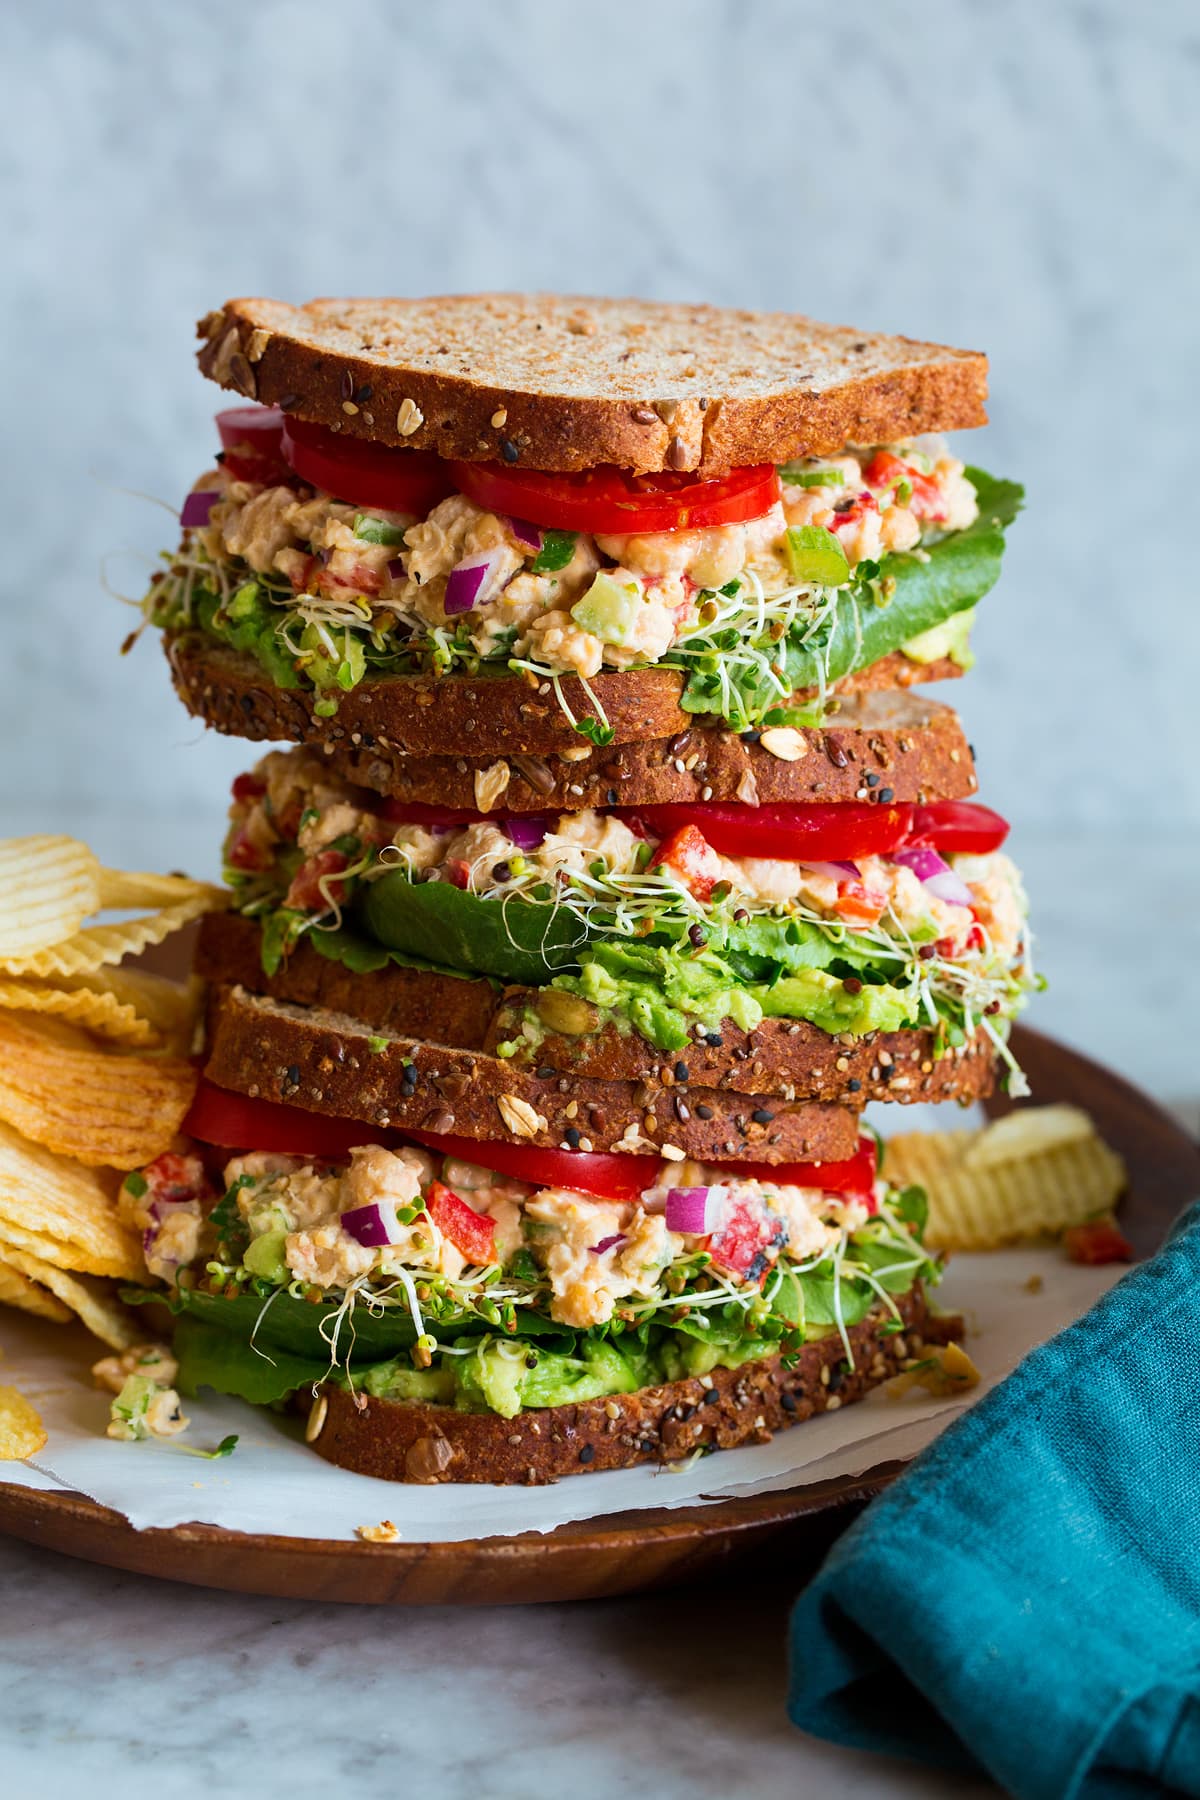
(514, 940)
(960, 570)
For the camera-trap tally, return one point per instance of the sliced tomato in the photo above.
(612, 501)
(238, 1122)
(829, 833)
(951, 825)
(472, 1232)
(853, 1178)
(251, 437)
(605, 1174)
(1099, 1241)
(689, 857)
(403, 481)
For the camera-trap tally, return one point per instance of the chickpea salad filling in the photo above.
(665, 920)
(809, 572)
(409, 1273)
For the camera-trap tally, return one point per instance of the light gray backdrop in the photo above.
(1016, 177)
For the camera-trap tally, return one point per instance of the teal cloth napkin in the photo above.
(1025, 1601)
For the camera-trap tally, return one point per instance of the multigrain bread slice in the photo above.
(566, 382)
(331, 1063)
(399, 1440)
(388, 725)
(780, 1058)
(903, 743)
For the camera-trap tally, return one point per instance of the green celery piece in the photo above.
(377, 531)
(795, 475)
(815, 554)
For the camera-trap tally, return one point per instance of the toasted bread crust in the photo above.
(331, 1063)
(416, 737)
(565, 383)
(403, 1441)
(780, 1057)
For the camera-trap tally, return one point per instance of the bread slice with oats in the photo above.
(559, 381)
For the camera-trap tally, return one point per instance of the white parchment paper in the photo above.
(273, 1483)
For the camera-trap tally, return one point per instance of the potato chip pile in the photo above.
(1030, 1175)
(93, 1072)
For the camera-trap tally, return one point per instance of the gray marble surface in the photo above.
(1004, 174)
(113, 1685)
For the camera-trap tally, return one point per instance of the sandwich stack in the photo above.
(615, 861)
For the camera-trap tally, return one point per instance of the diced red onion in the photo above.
(935, 873)
(526, 834)
(466, 582)
(608, 1243)
(525, 533)
(835, 871)
(197, 507)
(694, 1210)
(395, 568)
(373, 1226)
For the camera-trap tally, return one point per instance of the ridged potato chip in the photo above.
(122, 890)
(101, 1013)
(98, 946)
(91, 1300)
(127, 1005)
(979, 1202)
(63, 1212)
(17, 1290)
(48, 886)
(1029, 1131)
(22, 1433)
(171, 1007)
(102, 1107)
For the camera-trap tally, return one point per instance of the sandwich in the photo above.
(616, 860)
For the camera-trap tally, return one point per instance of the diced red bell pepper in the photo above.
(171, 1178)
(749, 1240)
(857, 905)
(248, 787)
(884, 470)
(244, 854)
(458, 872)
(1099, 1241)
(469, 1231)
(850, 513)
(688, 855)
(361, 580)
(312, 888)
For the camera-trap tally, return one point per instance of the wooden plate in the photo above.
(628, 1551)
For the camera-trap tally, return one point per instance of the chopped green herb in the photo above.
(136, 1184)
(377, 1045)
(558, 547)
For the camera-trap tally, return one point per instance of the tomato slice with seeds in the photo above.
(403, 481)
(614, 502)
(814, 833)
(251, 437)
(957, 825)
(238, 1122)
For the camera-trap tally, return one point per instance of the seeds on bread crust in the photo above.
(745, 387)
